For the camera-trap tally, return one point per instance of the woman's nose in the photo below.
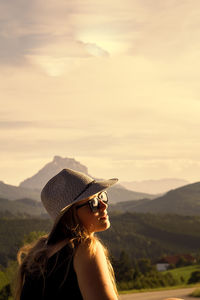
(103, 205)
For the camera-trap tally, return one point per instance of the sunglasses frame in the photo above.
(89, 202)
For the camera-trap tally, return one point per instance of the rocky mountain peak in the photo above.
(38, 180)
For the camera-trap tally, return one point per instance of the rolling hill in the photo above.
(181, 201)
(27, 205)
(12, 192)
(22, 207)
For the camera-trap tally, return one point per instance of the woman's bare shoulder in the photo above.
(92, 273)
(87, 252)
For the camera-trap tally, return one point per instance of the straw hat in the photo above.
(67, 188)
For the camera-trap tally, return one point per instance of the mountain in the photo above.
(181, 201)
(12, 192)
(154, 186)
(117, 193)
(38, 180)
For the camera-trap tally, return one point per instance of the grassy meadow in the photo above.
(181, 274)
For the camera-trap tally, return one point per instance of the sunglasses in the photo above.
(95, 202)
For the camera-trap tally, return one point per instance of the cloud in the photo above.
(57, 33)
(15, 124)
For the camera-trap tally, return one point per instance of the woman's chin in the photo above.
(104, 225)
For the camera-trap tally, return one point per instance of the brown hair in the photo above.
(33, 258)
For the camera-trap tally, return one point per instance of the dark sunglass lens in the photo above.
(94, 202)
(103, 197)
(93, 208)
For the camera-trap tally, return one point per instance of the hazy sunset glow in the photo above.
(113, 84)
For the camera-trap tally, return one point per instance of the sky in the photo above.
(113, 84)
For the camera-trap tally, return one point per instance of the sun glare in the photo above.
(103, 41)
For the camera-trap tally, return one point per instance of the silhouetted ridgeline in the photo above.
(140, 235)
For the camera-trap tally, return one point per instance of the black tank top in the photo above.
(59, 282)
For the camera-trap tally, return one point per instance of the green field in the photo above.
(183, 274)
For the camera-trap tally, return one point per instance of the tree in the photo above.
(123, 268)
(145, 266)
(195, 277)
(182, 262)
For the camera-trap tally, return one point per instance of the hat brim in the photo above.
(94, 188)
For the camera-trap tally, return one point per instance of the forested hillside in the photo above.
(148, 235)
(140, 235)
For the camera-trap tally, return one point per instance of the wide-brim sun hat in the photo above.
(67, 188)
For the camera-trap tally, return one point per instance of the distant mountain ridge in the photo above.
(181, 201)
(159, 186)
(31, 187)
(116, 193)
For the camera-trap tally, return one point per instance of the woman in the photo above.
(70, 263)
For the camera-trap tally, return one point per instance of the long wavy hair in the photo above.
(33, 258)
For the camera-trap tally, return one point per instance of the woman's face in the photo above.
(93, 221)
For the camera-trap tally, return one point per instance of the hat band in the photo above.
(87, 186)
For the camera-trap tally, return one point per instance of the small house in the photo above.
(164, 263)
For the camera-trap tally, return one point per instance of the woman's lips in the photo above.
(104, 217)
